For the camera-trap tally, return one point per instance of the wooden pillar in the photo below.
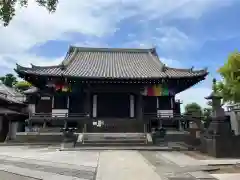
(94, 107)
(172, 101)
(132, 104)
(87, 102)
(139, 107)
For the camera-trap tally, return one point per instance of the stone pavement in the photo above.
(178, 166)
(169, 170)
(47, 163)
(230, 176)
(124, 165)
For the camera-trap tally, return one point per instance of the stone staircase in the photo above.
(114, 139)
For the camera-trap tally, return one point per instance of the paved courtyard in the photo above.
(29, 163)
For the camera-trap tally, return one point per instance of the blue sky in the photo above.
(186, 33)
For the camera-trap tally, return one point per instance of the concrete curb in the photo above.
(30, 144)
(84, 148)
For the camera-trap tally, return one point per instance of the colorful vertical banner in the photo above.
(156, 90)
(63, 87)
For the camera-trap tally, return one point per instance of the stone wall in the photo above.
(39, 137)
(221, 147)
(235, 121)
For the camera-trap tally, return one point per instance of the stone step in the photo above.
(115, 135)
(116, 141)
(110, 144)
(113, 139)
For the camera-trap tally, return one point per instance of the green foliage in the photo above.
(8, 7)
(229, 87)
(193, 109)
(9, 80)
(207, 112)
(22, 85)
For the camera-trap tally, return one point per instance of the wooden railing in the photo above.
(87, 124)
(56, 115)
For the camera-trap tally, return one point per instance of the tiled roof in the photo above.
(10, 94)
(8, 111)
(112, 63)
(31, 90)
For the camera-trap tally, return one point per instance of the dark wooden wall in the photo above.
(76, 103)
(43, 106)
(113, 105)
(150, 103)
(164, 103)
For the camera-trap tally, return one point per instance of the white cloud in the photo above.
(171, 62)
(35, 25)
(171, 38)
(167, 38)
(179, 9)
(195, 94)
(96, 18)
(26, 59)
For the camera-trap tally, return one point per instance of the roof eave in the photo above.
(202, 75)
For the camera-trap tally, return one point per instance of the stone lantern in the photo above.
(217, 140)
(216, 99)
(220, 123)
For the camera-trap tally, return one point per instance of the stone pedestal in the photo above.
(193, 138)
(12, 130)
(69, 138)
(221, 147)
(219, 140)
(65, 145)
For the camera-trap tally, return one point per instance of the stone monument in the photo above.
(194, 130)
(234, 113)
(218, 139)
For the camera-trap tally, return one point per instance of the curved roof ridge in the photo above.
(19, 67)
(184, 69)
(107, 49)
(45, 67)
(156, 60)
(71, 54)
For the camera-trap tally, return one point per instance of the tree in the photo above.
(8, 7)
(193, 109)
(22, 85)
(229, 87)
(207, 113)
(9, 80)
